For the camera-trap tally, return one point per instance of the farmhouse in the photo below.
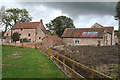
(96, 35)
(33, 31)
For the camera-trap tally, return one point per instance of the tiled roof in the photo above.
(77, 32)
(52, 37)
(26, 25)
(109, 29)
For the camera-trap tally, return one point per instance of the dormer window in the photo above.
(21, 29)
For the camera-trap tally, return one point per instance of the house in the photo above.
(96, 35)
(33, 31)
(49, 41)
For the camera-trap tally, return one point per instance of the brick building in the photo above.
(33, 31)
(95, 35)
(49, 41)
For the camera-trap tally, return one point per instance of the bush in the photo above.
(98, 43)
(25, 40)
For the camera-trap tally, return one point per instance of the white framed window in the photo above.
(76, 42)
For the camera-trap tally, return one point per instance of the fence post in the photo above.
(15, 44)
(63, 61)
(22, 45)
(35, 46)
(91, 75)
(73, 67)
(9, 44)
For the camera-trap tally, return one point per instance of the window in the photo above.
(36, 32)
(7, 34)
(39, 37)
(89, 33)
(29, 34)
(14, 29)
(21, 29)
(76, 42)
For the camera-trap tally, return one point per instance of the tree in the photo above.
(118, 10)
(10, 17)
(117, 17)
(59, 24)
(15, 37)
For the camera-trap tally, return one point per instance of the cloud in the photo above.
(84, 14)
(74, 9)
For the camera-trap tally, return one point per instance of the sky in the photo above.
(84, 14)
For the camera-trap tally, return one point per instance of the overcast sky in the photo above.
(84, 14)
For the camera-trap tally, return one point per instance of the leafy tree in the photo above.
(15, 37)
(118, 15)
(10, 17)
(59, 24)
(118, 10)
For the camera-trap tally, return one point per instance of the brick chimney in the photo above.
(41, 20)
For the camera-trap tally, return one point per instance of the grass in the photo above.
(27, 63)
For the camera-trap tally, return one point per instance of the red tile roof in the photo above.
(26, 25)
(54, 39)
(77, 32)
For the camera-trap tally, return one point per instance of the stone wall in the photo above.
(83, 41)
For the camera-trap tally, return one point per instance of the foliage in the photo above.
(59, 24)
(52, 33)
(10, 17)
(25, 40)
(99, 43)
(23, 62)
(118, 10)
(16, 36)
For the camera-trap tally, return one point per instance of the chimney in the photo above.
(41, 20)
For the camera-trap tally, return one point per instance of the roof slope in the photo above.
(26, 25)
(77, 32)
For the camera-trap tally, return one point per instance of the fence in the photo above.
(23, 45)
(54, 56)
(61, 61)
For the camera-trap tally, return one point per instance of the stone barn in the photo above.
(96, 35)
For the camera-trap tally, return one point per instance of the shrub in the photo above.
(25, 40)
(98, 43)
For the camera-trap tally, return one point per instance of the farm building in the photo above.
(96, 35)
(50, 41)
(33, 31)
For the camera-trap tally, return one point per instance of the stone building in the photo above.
(33, 31)
(49, 41)
(96, 35)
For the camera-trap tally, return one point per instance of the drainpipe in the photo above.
(11, 35)
(35, 35)
(111, 39)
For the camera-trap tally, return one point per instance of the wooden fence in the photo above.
(60, 62)
(54, 56)
(23, 45)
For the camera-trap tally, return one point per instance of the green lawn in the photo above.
(27, 63)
